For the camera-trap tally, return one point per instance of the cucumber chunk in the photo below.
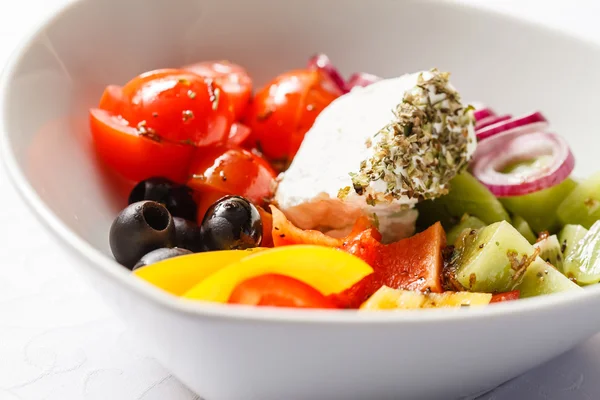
(550, 251)
(582, 205)
(499, 259)
(539, 208)
(523, 228)
(487, 260)
(542, 278)
(466, 222)
(582, 264)
(467, 196)
(569, 236)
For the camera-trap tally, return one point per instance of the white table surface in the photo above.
(59, 342)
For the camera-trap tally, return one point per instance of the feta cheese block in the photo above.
(377, 151)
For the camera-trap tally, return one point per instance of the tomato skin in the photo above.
(238, 133)
(206, 198)
(276, 290)
(178, 106)
(112, 99)
(134, 156)
(231, 170)
(506, 296)
(284, 110)
(232, 78)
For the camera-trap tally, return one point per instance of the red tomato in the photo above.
(231, 170)
(134, 156)
(238, 133)
(278, 291)
(506, 296)
(204, 199)
(283, 111)
(178, 106)
(112, 99)
(232, 78)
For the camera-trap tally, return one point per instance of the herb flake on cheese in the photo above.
(418, 153)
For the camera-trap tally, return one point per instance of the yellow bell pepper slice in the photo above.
(327, 270)
(387, 298)
(457, 299)
(179, 274)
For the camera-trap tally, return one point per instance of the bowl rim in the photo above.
(111, 270)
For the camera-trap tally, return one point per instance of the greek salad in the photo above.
(317, 191)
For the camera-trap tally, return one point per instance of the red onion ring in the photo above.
(361, 79)
(323, 63)
(498, 152)
(491, 120)
(482, 113)
(535, 121)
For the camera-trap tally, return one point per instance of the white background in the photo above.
(58, 341)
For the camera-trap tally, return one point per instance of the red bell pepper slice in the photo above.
(414, 263)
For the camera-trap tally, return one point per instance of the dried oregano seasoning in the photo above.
(418, 153)
(343, 192)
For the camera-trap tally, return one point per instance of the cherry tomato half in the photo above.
(278, 291)
(134, 156)
(284, 110)
(112, 99)
(178, 106)
(238, 133)
(231, 170)
(232, 78)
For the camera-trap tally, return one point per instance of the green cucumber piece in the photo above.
(466, 222)
(523, 228)
(550, 251)
(542, 278)
(582, 205)
(582, 264)
(539, 208)
(569, 236)
(467, 196)
(483, 261)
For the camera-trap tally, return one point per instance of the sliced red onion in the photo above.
(553, 162)
(535, 121)
(491, 120)
(482, 113)
(361, 79)
(323, 63)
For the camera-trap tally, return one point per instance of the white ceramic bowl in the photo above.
(226, 352)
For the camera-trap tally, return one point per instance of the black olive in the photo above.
(140, 228)
(231, 223)
(188, 235)
(160, 254)
(177, 198)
